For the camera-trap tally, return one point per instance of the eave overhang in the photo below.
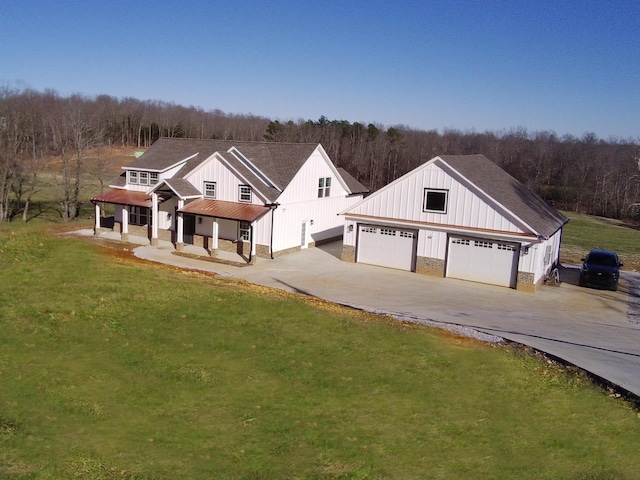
(227, 210)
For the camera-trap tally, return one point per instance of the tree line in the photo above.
(583, 174)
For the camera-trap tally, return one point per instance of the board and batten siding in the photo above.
(227, 182)
(299, 202)
(403, 200)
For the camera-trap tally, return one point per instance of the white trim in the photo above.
(508, 236)
(261, 196)
(254, 169)
(333, 168)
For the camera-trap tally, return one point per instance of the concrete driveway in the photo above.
(597, 330)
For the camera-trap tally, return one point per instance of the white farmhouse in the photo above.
(255, 198)
(457, 216)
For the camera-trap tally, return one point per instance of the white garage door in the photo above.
(386, 246)
(485, 261)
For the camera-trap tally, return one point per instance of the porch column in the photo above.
(125, 223)
(96, 231)
(180, 228)
(154, 219)
(252, 258)
(214, 238)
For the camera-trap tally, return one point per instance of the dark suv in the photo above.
(600, 267)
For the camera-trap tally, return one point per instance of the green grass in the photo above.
(584, 232)
(112, 369)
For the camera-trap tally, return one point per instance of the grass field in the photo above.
(584, 232)
(111, 368)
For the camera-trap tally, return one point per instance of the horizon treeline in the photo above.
(583, 174)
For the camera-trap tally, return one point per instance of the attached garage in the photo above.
(481, 260)
(387, 246)
(458, 216)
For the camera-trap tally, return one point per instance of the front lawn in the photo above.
(111, 368)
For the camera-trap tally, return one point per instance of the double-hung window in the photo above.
(435, 201)
(324, 187)
(133, 178)
(144, 178)
(245, 193)
(153, 178)
(210, 189)
(244, 231)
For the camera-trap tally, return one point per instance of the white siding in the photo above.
(403, 200)
(227, 182)
(299, 202)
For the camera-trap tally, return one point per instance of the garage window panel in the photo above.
(435, 201)
(481, 244)
(387, 231)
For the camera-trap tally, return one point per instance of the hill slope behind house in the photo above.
(112, 368)
(584, 232)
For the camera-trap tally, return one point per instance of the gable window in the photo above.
(245, 193)
(143, 178)
(210, 189)
(138, 215)
(153, 178)
(435, 200)
(133, 178)
(324, 187)
(244, 231)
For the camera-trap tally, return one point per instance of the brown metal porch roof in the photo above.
(127, 197)
(227, 210)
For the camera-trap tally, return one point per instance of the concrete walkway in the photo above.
(596, 330)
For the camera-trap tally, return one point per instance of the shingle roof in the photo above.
(354, 185)
(183, 187)
(279, 162)
(508, 191)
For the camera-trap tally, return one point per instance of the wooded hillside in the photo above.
(587, 174)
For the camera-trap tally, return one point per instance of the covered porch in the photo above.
(204, 218)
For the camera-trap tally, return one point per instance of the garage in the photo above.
(387, 246)
(485, 261)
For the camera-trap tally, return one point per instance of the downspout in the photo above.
(272, 206)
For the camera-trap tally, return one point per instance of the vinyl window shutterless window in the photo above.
(435, 200)
(210, 189)
(245, 193)
(244, 231)
(133, 178)
(324, 187)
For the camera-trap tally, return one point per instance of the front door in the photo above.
(189, 228)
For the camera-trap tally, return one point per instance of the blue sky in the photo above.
(565, 66)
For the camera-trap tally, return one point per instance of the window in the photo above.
(460, 241)
(435, 201)
(244, 231)
(143, 178)
(387, 231)
(138, 215)
(210, 189)
(324, 187)
(481, 244)
(133, 177)
(153, 178)
(245, 193)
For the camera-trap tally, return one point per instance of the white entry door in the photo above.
(387, 246)
(485, 261)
